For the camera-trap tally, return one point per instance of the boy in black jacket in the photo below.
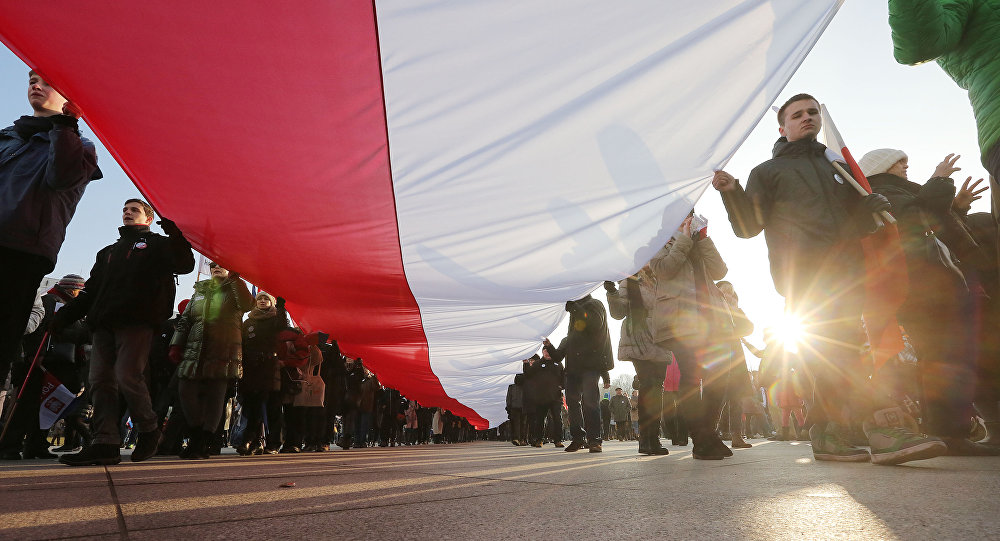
(129, 295)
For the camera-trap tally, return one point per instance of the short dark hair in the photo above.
(146, 208)
(791, 100)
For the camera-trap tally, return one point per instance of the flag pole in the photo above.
(34, 362)
(882, 213)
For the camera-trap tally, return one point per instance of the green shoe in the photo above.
(832, 445)
(894, 438)
(895, 445)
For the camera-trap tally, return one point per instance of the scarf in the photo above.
(27, 126)
(257, 313)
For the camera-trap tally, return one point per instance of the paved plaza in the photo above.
(493, 490)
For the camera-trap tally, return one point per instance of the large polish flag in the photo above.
(427, 181)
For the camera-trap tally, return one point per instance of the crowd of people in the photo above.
(230, 369)
(680, 315)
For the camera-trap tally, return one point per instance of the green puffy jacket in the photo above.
(210, 330)
(964, 37)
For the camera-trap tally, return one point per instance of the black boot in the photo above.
(643, 443)
(708, 446)
(97, 454)
(195, 447)
(654, 447)
(207, 438)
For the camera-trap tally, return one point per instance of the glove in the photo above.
(610, 286)
(176, 354)
(169, 227)
(875, 202)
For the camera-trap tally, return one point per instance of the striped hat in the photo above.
(71, 281)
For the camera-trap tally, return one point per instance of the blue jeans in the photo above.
(585, 418)
(362, 428)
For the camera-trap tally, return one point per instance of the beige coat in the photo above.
(676, 314)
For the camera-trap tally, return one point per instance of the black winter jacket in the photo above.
(917, 207)
(543, 382)
(132, 282)
(587, 346)
(812, 219)
(261, 372)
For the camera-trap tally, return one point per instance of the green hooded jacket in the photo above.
(964, 37)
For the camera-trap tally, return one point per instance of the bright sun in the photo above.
(790, 332)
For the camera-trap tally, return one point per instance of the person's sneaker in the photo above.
(574, 446)
(536, 444)
(146, 445)
(891, 445)
(595, 448)
(828, 443)
(558, 444)
(98, 454)
(67, 448)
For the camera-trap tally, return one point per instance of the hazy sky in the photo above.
(875, 102)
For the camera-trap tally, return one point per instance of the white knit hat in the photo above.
(879, 161)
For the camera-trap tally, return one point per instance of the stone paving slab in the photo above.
(492, 490)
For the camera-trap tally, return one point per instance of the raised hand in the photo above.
(967, 194)
(947, 166)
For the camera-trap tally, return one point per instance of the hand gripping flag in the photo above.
(886, 281)
(56, 400)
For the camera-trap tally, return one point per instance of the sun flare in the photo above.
(790, 332)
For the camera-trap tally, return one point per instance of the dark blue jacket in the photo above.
(41, 181)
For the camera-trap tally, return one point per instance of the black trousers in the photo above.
(516, 418)
(536, 421)
(24, 421)
(943, 338)
(651, 375)
(701, 389)
(20, 275)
